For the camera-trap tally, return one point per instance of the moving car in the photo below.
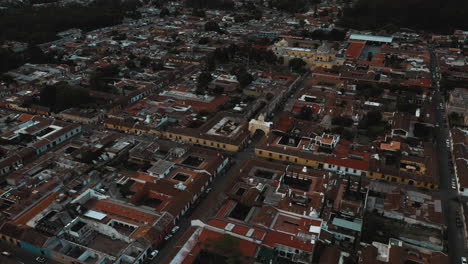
(153, 254)
(169, 236)
(6, 253)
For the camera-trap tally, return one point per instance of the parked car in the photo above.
(454, 184)
(175, 229)
(153, 254)
(6, 253)
(167, 237)
(463, 260)
(41, 260)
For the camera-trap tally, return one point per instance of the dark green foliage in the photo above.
(296, 6)
(41, 25)
(405, 104)
(342, 121)
(203, 80)
(212, 26)
(305, 113)
(333, 35)
(368, 90)
(242, 75)
(164, 12)
(372, 118)
(62, 95)
(244, 79)
(219, 4)
(432, 15)
(157, 66)
(203, 41)
(145, 61)
(100, 77)
(33, 54)
(422, 131)
(297, 65)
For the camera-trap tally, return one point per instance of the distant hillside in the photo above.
(38, 25)
(431, 15)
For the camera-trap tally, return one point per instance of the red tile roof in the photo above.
(349, 163)
(121, 210)
(25, 117)
(23, 219)
(273, 238)
(246, 247)
(354, 50)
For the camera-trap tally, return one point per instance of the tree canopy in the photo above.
(62, 95)
(219, 4)
(212, 26)
(33, 25)
(297, 65)
(430, 15)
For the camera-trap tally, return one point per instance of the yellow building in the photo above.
(225, 131)
(417, 172)
(203, 141)
(324, 56)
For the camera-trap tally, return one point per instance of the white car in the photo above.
(454, 185)
(463, 260)
(41, 260)
(153, 254)
(175, 229)
(169, 236)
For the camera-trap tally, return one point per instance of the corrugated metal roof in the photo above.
(356, 226)
(371, 38)
(95, 215)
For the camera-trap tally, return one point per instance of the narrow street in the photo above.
(449, 196)
(21, 255)
(209, 204)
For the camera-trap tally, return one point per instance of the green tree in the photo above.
(145, 61)
(244, 79)
(101, 76)
(198, 12)
(164, 12)
(62, 95)
(212, 26)
(157, 66)
(203, 40)
(342, 121)
(203, 80)
(297, 65)
(305, 113)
